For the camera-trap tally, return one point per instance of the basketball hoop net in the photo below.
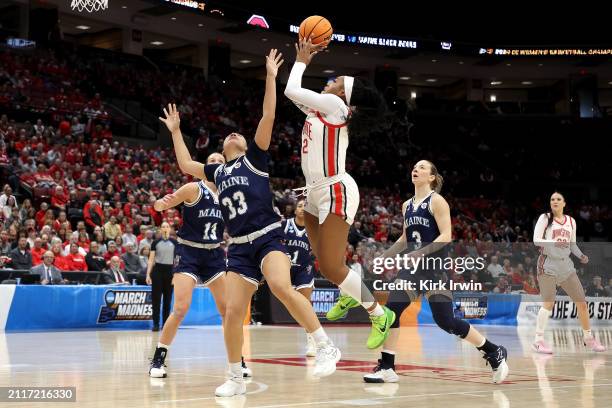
(89, 5)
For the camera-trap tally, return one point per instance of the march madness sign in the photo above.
(126, 305)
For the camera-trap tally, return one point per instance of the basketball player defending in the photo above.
(427, 229)
(302, 276)
(198, 258)
(255, 249)
(555, 234)
(346, 106)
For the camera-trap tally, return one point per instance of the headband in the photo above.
(349, 81)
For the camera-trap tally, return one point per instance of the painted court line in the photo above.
(341, 401)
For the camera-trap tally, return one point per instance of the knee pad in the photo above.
(443, 315)
(398, 302)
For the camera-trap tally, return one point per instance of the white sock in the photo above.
(587, 333)
(159, 345)
(484, 340)
(235, 369)
(354, 287)
(389, 351)
(319, 336)
(542, 322)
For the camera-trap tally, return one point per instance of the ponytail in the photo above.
(436, 184)
(369, 113)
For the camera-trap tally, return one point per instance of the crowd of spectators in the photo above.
(85, 199)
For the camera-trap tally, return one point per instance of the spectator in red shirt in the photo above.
(84, 240)
(59, 198)
(382, 232)
(37, 252)
(60, 261)
(112, 251)
(74, 260)
(40, 214)
(93, 214)
(64, 128)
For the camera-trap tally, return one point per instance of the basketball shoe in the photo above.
(157, 368)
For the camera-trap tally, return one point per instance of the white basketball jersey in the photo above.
(559, 232)
(323, 148)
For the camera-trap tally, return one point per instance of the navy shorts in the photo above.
(246, 259)
(302, 277)
(203, 265)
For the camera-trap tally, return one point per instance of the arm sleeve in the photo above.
(324, 103)
(257, 156)
(573, 246)
(538, 232)
(210, 170)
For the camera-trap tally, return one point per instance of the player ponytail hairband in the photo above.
(349, 81)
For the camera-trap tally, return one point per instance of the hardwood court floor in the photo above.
(109, 369)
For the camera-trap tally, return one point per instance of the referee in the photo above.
(159, 273)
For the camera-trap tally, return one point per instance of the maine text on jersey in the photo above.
(233, 181)
(300, 244)
(416, 220)
(210, 212)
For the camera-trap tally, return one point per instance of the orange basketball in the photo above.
(318, 28)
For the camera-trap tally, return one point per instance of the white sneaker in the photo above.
(381, 375)
(233, 386)
(327, 357)
(311, 346)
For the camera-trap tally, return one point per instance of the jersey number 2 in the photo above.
(305, 145)
(241, 203)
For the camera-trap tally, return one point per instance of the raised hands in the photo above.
(305, 50)
(172, 119)
(273, 62)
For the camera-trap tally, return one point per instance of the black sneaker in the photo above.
(497, 360)
(157, 368)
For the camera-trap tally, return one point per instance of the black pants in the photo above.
(161, 284)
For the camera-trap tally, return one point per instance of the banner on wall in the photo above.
(564, 311)
(479, 308)
(126, 305)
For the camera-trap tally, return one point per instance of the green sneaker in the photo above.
(380, 328)
(341, 308)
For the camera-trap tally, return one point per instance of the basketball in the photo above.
(318, 28)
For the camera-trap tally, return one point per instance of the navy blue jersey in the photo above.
(419, 223)
(244, 192)
(297, 244)
(202, 220)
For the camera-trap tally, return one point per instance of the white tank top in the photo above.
(323, 148)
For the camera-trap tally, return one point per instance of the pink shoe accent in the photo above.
(594, 345)
(541, 347)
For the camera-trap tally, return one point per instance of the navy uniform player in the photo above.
(198, 257)
(302, 275)
(427, 229)
(256, 250)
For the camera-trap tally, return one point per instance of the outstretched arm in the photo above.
(324, 103)
(187, 193)
(185, 162)
(266, 123)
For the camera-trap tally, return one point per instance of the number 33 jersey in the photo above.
(244, 192)
(202, 221)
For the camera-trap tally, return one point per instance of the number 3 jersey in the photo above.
(202, 220)
(419, 223)
(244, 192)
